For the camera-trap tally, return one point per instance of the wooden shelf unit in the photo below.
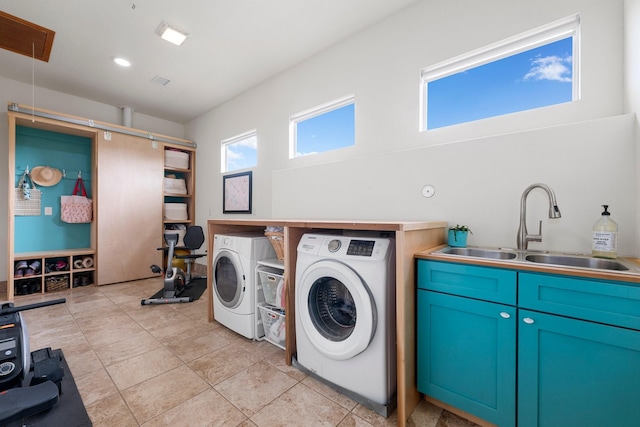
(188, 174)
(47, 277)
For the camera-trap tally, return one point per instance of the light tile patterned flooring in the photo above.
(166, 365)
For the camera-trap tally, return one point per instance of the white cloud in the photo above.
(550, 68)
(299, 154)
(251, 142)
(234, 155)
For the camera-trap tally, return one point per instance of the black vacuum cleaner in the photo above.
(175, 280)
(30, 382)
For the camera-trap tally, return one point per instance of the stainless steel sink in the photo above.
(576, 261)
(548, 258)
(479, 253)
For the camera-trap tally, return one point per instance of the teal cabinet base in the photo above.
(467, 355)
(577, 373)
(572, 346)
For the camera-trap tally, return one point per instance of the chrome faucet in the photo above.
(554, 212)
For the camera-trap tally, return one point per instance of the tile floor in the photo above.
(168, 366)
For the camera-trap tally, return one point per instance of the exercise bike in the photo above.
(175, 281)
(30, 382)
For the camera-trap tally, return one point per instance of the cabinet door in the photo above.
(577, 373)
(130, 172)
(467, 355)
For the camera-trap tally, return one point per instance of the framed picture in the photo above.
(236, 193)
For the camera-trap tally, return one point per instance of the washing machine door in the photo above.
(228, 278)
(335, 309)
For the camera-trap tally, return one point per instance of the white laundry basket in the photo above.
(274, 323)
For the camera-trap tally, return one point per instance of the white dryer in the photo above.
(235, 257)
(345, 316)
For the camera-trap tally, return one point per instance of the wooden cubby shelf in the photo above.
(50, 271)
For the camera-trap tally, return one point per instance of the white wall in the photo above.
(632, 86)
(584, 150)
(12, 91)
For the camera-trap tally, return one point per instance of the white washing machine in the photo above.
(235, 257)
(345, 316)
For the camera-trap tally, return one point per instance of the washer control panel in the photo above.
(361, 247)
(345, 247)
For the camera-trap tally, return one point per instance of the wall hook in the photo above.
(79, 174)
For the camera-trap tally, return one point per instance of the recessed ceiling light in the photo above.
(171, 34)
(122, 62)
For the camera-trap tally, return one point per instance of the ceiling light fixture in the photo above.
(122, 62)
(171, 34)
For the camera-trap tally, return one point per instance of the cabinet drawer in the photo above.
(614, 303)
(485, 283)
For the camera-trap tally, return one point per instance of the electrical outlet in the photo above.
(48, 210)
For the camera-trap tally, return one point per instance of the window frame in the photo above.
(235, 139)
(316, 111)
(540, 36)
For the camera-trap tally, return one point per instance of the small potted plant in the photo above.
(458, 235)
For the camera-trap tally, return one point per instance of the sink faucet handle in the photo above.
(536, 237)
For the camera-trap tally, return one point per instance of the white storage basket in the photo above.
(272, 282)
(176, 159)
(273, 321)
(175, 211)
(175, 186)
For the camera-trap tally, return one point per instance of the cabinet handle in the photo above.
(528, 320)
(505, 315)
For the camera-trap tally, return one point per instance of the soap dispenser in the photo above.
(605, 236)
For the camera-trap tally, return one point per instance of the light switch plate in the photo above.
(48, 210)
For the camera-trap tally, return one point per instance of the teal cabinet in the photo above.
(576, 373)
(467, 354)
(572, 346)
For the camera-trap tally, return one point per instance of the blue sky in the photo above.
(329, 131)
(242, 154)
(531, 79)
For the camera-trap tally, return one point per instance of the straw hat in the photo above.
(46, 176)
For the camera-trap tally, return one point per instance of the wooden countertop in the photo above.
(334, 224)
(627, 276)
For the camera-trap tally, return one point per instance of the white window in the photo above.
(535, 69)
(240, 152)
(323, 128)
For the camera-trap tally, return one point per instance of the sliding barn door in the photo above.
(129, 172)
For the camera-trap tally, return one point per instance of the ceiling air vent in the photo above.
(26, 38)
(162, 81)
